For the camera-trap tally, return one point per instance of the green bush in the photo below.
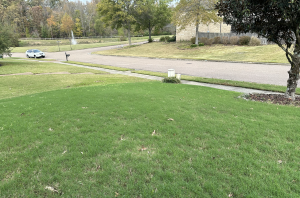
(171, 80)
(201, 44)
(167, 38)
(244, 40)
(172, 39)
(150, 40)
(123, 38)
(162, 39)
(194, 45)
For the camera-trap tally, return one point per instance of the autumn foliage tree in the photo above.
(276, 20)
(51, 23)
(67, 24)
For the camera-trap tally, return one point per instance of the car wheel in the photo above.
(27, 56)
(34, 56)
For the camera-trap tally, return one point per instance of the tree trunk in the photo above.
(197, 28)
(149, 31)
(129, 37)
(293, 75)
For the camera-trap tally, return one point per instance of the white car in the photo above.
(34, 53)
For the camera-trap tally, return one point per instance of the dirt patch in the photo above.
(274, 98)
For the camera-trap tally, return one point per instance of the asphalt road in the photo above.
(258, 73)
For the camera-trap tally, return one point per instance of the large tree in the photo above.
(118, 13)
(189, 12)
(8, 39)
(152, 13)
(276, 20)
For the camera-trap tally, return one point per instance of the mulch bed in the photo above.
(274, 98)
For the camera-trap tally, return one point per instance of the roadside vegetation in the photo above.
(218, 52)
(267, 87)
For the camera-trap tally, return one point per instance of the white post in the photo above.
(171, 72)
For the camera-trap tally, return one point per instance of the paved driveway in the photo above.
(259, 73)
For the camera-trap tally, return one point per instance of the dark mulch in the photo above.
(274, 98)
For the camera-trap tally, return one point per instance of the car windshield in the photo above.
(36, 51)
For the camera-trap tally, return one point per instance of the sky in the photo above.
(83, 1)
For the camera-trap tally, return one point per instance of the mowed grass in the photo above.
(264, 53)
(52, 46)
(18, 85)
(100, 66)
(14, 66)
(35, 42)
(267, 87)
(97, 142)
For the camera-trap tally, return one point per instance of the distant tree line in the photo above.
(56, 18)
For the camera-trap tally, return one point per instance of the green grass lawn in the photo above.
(267, 87)
(18, 85)
(34, 42)
(265, 53)
(97, 141)
(51, 45)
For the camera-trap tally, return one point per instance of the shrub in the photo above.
(194, 45)
(171, 80)
(254, 41)
(209, 42)
(123, 38)
(206, 41)
(201, 44)
(244, 40)
(217, 40)
(234, 40)
(172, 39)
(162, 39)
(150, 40)
(225, 40)
(167, 38)
(193, 40)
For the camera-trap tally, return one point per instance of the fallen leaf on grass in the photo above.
(64, 152)
(98, 167)
(153, 133)
(51, 189)
(84, 107)
(81, 153)
(171, 119)
(279, 161)
(143, 148)
(50, 129)
(116, 194)
(230, 195)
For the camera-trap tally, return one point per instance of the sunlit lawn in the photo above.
(265, 53)
(43, 80)
(98, 141)
(52, 46)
